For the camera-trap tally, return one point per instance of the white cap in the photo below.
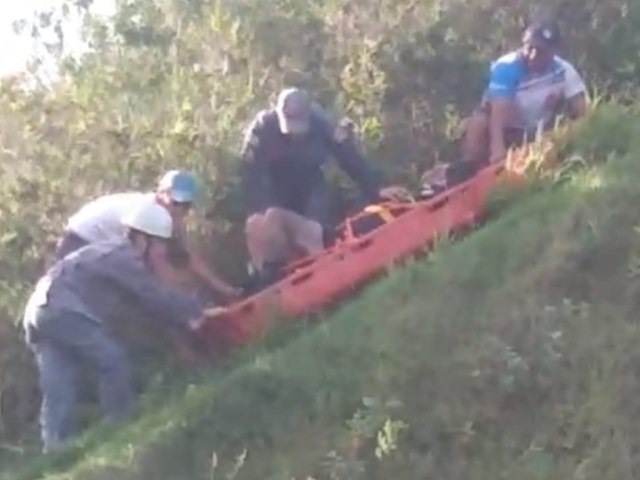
(150, 218)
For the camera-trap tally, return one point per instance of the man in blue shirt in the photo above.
(286, 194)
(527, 90)
(66, 318)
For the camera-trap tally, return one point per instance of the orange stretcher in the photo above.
(318, 281)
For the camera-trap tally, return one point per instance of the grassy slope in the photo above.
(511, 354)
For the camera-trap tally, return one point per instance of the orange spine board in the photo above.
(334, 273)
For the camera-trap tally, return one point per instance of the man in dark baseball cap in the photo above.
(286, 195)
(542, 35)
(540, 42)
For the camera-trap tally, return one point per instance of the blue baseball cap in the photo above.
(541, 35)
(180, 184)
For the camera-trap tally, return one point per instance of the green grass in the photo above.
(512, 353)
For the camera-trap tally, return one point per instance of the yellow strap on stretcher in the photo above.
(384, 213)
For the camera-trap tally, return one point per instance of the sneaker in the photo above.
(433, 182)
(443, 177)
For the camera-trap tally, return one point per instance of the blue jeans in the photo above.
(63, 341)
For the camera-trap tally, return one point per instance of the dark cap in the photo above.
(541, 35)
(294, 110)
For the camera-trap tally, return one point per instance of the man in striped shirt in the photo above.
(527, 90)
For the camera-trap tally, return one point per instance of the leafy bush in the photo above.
(175, 83)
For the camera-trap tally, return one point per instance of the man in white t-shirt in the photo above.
(527, 90)
(101, 220)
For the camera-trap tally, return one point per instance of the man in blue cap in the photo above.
(100, 220)
(286, 194)
(527, 90)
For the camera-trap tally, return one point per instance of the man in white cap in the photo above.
(100, 220)
(286, 194)
(66, 318)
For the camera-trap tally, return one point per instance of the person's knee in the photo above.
(275, 218)
(259, 228)
(254, 223)
(477, 124)
(262, 227)
(272, 218)
(314, 237)
(255, 226)
(306, 233)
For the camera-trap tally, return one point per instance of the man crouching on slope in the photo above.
(528, 89)
(66, 317)
(100, 220)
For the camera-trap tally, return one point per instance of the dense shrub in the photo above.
(174, 83)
